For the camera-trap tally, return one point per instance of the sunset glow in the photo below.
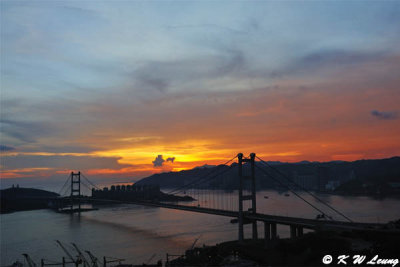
(106, 89)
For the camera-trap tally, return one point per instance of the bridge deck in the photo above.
(301, 222)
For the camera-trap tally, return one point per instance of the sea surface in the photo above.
(143, 234)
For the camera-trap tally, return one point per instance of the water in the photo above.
(135, 233)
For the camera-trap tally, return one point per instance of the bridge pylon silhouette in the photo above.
(75, 189)
(251, 197)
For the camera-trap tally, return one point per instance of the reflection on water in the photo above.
(136, 233)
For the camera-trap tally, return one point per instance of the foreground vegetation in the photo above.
(307, 250)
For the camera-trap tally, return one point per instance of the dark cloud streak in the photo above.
(62, 162)
(26, 132)
(4, 148)
(384, 115)
(207, 26)
(328, 60)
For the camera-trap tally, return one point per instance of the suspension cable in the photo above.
(64, 193)
(87, 186)
(66, 181)
(203, 177)
(304, 189)
(92, 184)
(281, 183)
(200, 179)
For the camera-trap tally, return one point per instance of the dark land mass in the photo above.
(376, 177)
(134, 192)
(126, 197)
(307, 250)
(17, 199)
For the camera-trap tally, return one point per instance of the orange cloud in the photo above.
(318, 119)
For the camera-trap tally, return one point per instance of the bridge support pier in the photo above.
(293, 231)
(299, 231)
(296, 231)
(270, 231)
(273, 231)
(255, 234)
(267, 232)
(241, 232)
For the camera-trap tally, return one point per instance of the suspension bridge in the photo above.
(241, 205)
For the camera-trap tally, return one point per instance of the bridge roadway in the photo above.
(273, 219)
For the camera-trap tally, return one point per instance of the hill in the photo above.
(17, 199)
(336, 176)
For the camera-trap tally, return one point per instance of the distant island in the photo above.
(376, 177)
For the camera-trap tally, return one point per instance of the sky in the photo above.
(125, 89)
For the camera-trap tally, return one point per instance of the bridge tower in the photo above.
(75, 189)
(251, 197)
